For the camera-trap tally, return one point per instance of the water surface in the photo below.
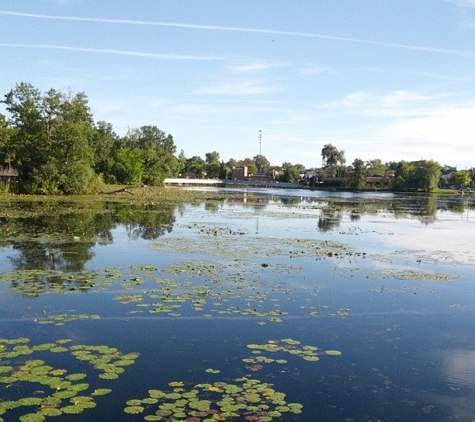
(385, 279)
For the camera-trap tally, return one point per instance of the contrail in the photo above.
(243, 29)
(113, 51)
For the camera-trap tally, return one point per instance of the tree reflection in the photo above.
(329, 219)
(52, 236)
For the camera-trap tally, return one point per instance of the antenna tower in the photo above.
(260, 142)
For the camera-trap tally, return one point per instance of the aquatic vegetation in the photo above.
(38, 282)
(418, 275)
(246, 397)
(64, 388)
(61, 319)
(287, 345)
(208, 269)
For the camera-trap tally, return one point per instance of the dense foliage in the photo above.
(53, 143)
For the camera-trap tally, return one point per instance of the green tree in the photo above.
(6, 132)
(262, 163)
(358, 178)
(376, 167)
(471, 172)
(460, 178)
(213, 170)
(103, 143)
(427, 175)
(156, 149)
(291, 174)
(127, 167)
(212, 157)
(196, 165)
(24, 105)
(418, 175)
(213, 166)
(333, 159)
(404, 176)
(181, 162)
(50, 144)
(251, 166)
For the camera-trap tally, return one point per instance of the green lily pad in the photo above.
(134, 410)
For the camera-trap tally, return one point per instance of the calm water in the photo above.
(387, 280)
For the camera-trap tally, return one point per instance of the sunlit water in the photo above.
(387, 280)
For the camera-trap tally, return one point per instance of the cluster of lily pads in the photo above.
(286, 345)
(62, 319)
(245, 397)
(21, 375)
(34, 283)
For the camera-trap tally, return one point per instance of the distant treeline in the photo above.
(52, 145)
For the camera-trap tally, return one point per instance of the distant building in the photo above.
(239, 173)
(8, 174)
(267, 176)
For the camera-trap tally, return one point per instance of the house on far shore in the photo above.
(8, 174)
(239, 173)
(267, 176)
(242, 173)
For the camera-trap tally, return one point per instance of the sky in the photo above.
(387, 79)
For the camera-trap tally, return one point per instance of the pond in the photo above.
(257, 305)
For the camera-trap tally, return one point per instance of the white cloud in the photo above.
(403, 98)
(161, 56)
(464, 3)
(423, 74)
(254, 66)
(219, 28)
(248, 87)
(314, 69)
(352, 100)
(441, 125)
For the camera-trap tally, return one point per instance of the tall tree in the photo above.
(358, 178)
(196, 165)
(262, 163)
(376, 167)
(332, 159)
(428, 174)
(50, 144)
(404, 176)
(6, 132)
(212, 157)
(291, 174)
(103, 143)
(460, 178)
(156, 150)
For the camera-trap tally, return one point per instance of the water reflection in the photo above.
(60, 236)
(209, 273)
(459, 368)
(54, 236)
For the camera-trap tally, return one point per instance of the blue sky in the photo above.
(389, 79)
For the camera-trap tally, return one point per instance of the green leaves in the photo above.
(64, 388)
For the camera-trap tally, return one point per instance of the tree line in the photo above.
(56, 147)
(420, 175)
